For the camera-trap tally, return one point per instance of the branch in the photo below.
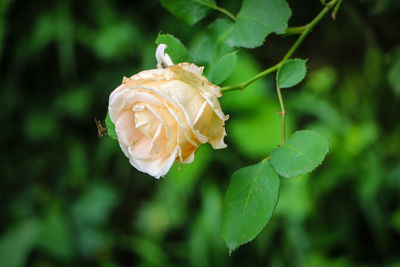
(305, 30)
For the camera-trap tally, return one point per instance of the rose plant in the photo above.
(161, 116)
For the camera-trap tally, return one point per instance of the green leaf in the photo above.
(222, 68)
(190, 11)
(249, 202)
(257, 19)
(301, 154)
(212, 44)
(111, 128)
(16, 244)
(94, 206)
(291, 73)
(55, 236)
(176, 50)
(393, 76)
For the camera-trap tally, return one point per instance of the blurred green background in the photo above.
(68, 198)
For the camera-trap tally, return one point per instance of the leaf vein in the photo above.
(301, 153)
(205, 4)
(254, 19)
(251, 188)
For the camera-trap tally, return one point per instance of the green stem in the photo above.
(218, 8)
(295, 30)
(307, 29)
(243, 85)
(283, 112)
(336, 9)
(226, 12)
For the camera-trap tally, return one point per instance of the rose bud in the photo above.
(162, 115)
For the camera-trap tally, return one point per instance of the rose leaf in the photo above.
(249, 203)
(291, 73)
(190, 11)
(221, 70)
(257, 19)
(301, 154)
(212, 44)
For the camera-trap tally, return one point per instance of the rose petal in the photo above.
(132, 139)
(214, 117)
(125, 128)
(162, 114)
(187, 100)
(216, 132)
(149, 75)
(215, 105)
(141, 148)
(145, 121)
(203, 118)
(135, 96)
(185, 148)
(129, 136)
(117, 103)
(175, 112)
(158, 147)
(156, 168)
(189, 159)
(191, 74)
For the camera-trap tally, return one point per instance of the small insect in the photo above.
(101, 128)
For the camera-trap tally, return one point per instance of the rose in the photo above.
(163, 115)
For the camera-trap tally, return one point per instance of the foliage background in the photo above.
(68, 198)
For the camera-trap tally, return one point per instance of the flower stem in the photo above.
(295, 30)
(243, 85)
(305, 30)
(283, 112)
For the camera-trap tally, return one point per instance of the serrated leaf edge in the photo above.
(302, 78)
(303, 171)
(268, 219)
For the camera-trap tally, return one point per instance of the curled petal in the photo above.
(174, 111)
(187, 100)
(145, 121)
(158, 146)
(155, 168)
(203, 119)
(191, 74)
(216, 133)
(215, 105)
(169, 124)
(163, 59)
(210, 122)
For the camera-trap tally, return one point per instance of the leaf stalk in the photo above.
(283, 112)
(226, 12)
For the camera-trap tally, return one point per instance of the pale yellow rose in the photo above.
(162, 115)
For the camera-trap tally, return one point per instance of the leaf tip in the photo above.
(231, 246)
